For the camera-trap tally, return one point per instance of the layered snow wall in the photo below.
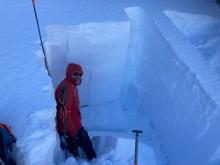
(26, 103)
(155, 71)
(101, 49)
(172, 84)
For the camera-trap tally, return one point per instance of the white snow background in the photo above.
(150, 65)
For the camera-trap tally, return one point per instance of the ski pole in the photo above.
(39, 32)
(137, 132)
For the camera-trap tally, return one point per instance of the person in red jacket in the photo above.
(68, 117)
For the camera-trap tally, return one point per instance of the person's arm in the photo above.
(69, 96)
(70, 123)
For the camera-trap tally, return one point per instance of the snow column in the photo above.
(159, 85)
(57, 47)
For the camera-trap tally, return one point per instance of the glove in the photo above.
(62, 145)
(63, 142)
(82, 134)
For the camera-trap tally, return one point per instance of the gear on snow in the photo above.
(6, 141)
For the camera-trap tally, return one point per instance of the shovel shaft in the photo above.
(137, 132)
(136, 150)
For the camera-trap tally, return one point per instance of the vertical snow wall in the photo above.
(162, 80)
(167, 81)
(100, 47)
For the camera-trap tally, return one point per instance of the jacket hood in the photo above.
(71, 68)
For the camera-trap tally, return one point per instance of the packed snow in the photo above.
(149, 65)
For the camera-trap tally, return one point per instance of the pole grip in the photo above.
(137, 132)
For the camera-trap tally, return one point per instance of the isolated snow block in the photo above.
(57, 63)
(100, 47)
(84, 87)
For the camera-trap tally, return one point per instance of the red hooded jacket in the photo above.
(68, 116)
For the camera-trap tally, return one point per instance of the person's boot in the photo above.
(91, 154)
(75, 153)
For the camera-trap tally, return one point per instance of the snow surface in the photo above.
(155, 68)
(101, 48)
(195, 27)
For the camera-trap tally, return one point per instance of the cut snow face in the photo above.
(165, 90)
(101, 50)
(201, 30)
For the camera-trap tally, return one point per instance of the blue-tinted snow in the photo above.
(165, 86)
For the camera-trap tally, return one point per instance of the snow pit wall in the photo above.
(161, 86)
(100, 48)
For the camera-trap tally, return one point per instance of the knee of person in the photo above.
(92, 156)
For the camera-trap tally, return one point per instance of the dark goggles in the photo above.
(77, 74)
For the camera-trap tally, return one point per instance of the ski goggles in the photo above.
(77, 74)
